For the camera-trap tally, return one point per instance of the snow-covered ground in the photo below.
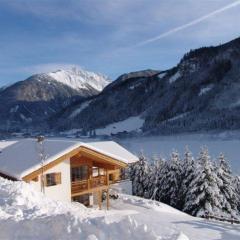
(227, 143)
(170, 223)
(130, 124)
(26, 214)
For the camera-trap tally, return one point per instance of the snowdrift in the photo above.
(27, 214)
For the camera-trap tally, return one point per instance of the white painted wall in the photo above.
(61, 191)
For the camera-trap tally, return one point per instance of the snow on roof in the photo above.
(112, 149)
(19, 158)
(4, 144)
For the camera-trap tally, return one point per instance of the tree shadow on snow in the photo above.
(227, 231)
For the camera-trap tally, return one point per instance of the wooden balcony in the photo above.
(87, 185)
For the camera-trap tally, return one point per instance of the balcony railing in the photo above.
(83, 185)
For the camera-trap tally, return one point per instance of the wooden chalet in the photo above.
(66, 170)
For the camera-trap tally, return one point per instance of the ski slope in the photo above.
(26, 214)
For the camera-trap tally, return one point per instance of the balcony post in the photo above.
(88, 184)
(107, 175)
(108, 202)
(100, 199)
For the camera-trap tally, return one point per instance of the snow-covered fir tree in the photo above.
(236, 183)
(140, 177)
(188, 174)
(155, 171)
(199, 188)
(203, 197)
(228, 191)
(169, 184)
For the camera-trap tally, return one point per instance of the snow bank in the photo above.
(26, 214)
(154, 205)
(173, 224)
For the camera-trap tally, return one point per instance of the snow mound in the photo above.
(26, 214)
(154, 205)
(182, 236)
(80, 79)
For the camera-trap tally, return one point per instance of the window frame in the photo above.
(78, 173)
(52, 179)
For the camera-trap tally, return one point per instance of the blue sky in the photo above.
(107, 36)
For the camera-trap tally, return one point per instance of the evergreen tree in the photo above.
(188, 174)
(140, 176)
(237, 189)
(160, 178)
(203, 197)
(228, 191)
(132, 170)
(154, 176)
(170, 181)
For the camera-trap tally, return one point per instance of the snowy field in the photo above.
(26, 214)
(227, 143)
(128, 125)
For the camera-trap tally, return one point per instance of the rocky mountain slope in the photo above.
(200, 93)
(81, 80)
(32, 101)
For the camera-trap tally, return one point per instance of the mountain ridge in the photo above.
(199, 93)
(30, 102)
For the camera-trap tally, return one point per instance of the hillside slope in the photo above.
(200, 93)
(26, 214)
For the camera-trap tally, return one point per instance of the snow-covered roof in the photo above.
(4, 144)
(21, 157)
(112, 149)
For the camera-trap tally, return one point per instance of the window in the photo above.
(98, 171)
(84, 199)
(111, 177)
(101, 172)
(52, 179)
(94, 171)
(79, 173)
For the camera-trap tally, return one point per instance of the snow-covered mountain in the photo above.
(80, 79)
(200, 93)
(42, 95)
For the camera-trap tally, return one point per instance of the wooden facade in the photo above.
(91, 173)
(99, 175)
